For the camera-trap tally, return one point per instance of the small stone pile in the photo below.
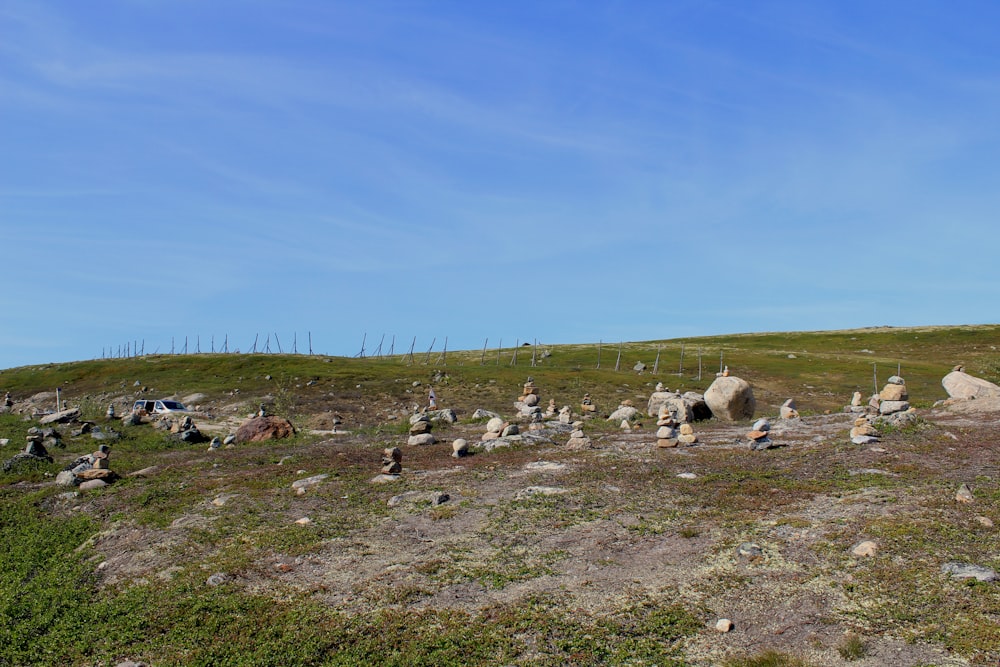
(91, 471)
(392, 461)
(863, 432)
(687, 436)
(550, 411)
(760, 435)
(494, 427)
(34, 453)
(587, 404)
(577, 438)
(183, 430)
(666, 431)
(789, 410)
(420, 430)
(857, 405)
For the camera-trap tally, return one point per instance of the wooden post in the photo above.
(444, 353)
(295, 342)
(378, 351)
(427, 359)
(875, 376)
(482, 359)
(361, 354)
(699, 364)
(720, 361)
(499, 350)
(411, 349)
(310, 343)
(599, 343)
(392, 346)
(656, 364)
(513, 358)
(58, 399)
(213, 344)
(534, 352)
(618, 361)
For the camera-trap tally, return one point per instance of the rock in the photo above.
(623, 412)
(894, 392)
(757, 435)
(657, 400)
(495, 425)
(92, 484)
(459, 447)
(723, 625)
(984, 521)
(259, 429)
(446, 415)
(964, 494)
(539, 491)
(864, 549)
(891, 407)
(788, 411)
(37, 449)
(439, 498)
(666, 443)
(686, 429)
(229, 439)
(730, 398)
(969, 571)
(97, 473)
(898, 419)
(308, 481)
(66, 478)
(418, 418)
(385, 478)
(749, 550)
(687, 475)
(217, 579)
(60, 417)
(959, 384)
(422, 439)
(864, 430)
(896, 380)
(856, 400)
(304, 521)
(531, 400)
(485, 414)
(666, 432)
(510, 429)
(864, 440)
(191, 435)
(687, 439)
(420, 427)
(761, 425)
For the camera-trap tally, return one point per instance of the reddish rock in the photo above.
(258, 429)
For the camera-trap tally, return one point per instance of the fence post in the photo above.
(618, 361)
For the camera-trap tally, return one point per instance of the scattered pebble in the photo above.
(723, 625)
(969, 571)
(864, 549)
(687, 475)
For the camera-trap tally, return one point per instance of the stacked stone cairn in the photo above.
(527, 403)
(420, 430)
(624, 412)
(91, 471)
(565, 415)
(894, 405)
(666, 429)
(687, 436)
(392, 461)
(494, 427)
(577, 438)
(550, 411)
(863, 432)
(587, 405)
(35, 451)
(760, 435)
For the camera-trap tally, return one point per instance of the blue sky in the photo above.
(560, 171)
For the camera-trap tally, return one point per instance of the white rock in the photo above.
(959, 384)
(730, 398)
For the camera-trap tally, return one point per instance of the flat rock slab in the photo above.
(969, 571)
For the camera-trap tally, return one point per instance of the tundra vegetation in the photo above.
(539, 555)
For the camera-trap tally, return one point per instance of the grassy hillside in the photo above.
(819, 369)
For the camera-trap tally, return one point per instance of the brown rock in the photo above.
(258, 429)
(894, 392)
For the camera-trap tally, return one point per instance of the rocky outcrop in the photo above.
(258, 429)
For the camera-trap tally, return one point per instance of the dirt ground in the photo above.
(598, 528)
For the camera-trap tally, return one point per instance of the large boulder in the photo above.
(269, 427)
(61, 417)
(623, 412)
(959, 384)
(730, 398)
(657, 400)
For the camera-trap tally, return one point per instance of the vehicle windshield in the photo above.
(172, 405)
